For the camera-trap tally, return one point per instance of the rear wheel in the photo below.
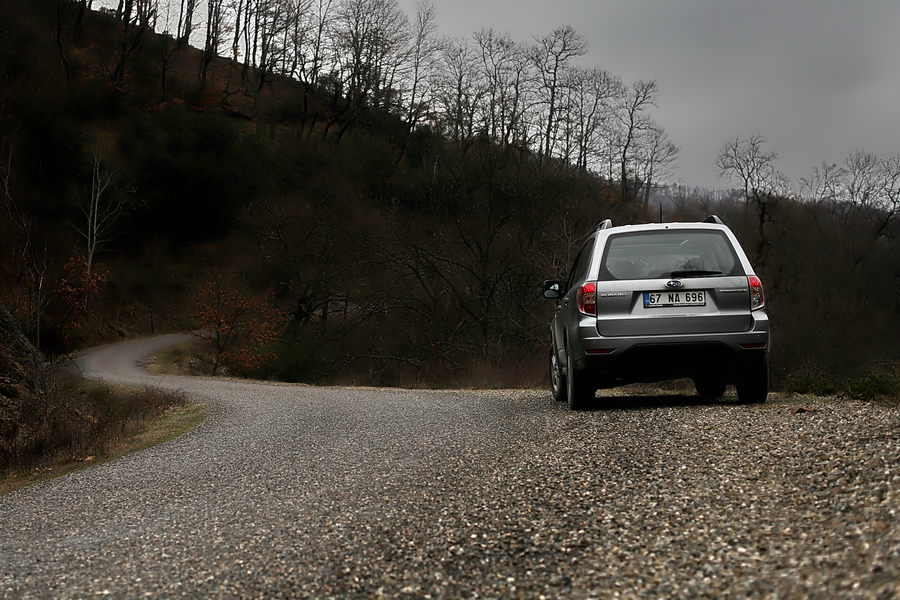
(557, 377)
(710, 388)
(579, 395)
(753, 384)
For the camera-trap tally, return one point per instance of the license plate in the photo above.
(681, 298)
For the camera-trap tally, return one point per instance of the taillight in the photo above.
(587, 298)
(757, 298)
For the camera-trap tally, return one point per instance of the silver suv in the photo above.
(650, 303)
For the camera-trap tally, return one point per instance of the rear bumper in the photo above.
(613, 361)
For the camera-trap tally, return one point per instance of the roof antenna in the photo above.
(660, 212)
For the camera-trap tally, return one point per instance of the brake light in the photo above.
(757, 298)
(587, 298)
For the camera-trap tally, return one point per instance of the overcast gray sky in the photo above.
(817, 78)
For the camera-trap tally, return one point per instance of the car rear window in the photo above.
(669, 253)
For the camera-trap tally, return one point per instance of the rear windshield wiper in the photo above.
(696, 273)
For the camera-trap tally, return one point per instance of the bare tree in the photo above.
(270, 23)
(592, 97)
(261, 42)
(748, 162)
(862, 181)
(372, 36)
(552, 58)
(215, 31)
(100, 210)
(869, 186)
(311, 37)
(633, 124)
(321, 16)
(185, 21)
(146, 13)
(422, 53)
(29, 256)
(496, 52)
(370, 41)
(890, 193)
(131, 41)
(297, 34)
(459, 90)
(238, 7)
(822, 187)
(654, 162)
(167, 49)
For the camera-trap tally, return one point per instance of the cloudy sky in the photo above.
(817, 78)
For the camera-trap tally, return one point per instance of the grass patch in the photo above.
(76, 424)
(881, 383)
(192, 358)
(168, 426)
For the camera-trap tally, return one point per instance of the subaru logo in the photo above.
(674, 284)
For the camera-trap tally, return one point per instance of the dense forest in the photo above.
(346, 197)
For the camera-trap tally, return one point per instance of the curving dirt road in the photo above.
(294, 491)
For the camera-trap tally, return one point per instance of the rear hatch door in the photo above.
(671, 281)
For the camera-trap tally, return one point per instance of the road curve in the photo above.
(120, 362)
(294, 491)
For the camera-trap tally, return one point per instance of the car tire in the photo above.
(753, 384)
(579, 395)
(557, 377)
(710, 388)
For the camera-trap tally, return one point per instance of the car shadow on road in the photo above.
(642, 401)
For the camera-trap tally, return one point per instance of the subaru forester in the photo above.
(656, 302)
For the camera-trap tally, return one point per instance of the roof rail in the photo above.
(604, 225)
(713, 219)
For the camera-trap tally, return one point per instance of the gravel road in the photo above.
(292, 491)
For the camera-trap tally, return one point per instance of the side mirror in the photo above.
(552, 289)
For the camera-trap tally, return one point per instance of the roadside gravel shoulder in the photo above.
(660, 497)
